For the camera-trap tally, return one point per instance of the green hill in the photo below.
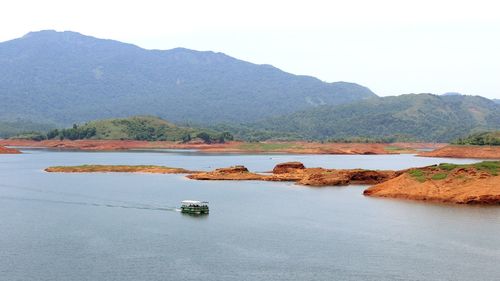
(136, 128)
(421, 117)
(66, 78)
(481, 138)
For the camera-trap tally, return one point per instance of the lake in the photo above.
(127, 226)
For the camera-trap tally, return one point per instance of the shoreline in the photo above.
(295, 147)
(8, 150)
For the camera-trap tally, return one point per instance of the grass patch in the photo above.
(393, 148)
(491, 167)
(442, 171)
(439, 176)
(418, 175)
(448, 166)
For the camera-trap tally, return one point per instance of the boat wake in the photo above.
(111, 204)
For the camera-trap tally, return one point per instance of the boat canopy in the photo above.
(194, 202)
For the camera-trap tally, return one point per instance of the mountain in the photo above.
(423, 117)
(66, 78)
(496, 101)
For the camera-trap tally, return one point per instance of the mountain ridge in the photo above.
(66, 77)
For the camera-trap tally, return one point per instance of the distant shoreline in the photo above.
(295, 147)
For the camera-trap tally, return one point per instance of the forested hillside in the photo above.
(66, 78)
(422, 117)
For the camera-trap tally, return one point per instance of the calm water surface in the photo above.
(126, 227)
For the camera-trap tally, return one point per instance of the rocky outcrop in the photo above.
(296, 172)
(463, 184)
(6, 150)
(232, 173)
(344, 177)
(288, 167)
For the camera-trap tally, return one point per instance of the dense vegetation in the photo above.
(422, 117)
(483, 138)
(66, 78)
(134, 128)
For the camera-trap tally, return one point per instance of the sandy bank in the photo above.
(465, 151)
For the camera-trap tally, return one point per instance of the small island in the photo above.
(449, 183)
(151, 169)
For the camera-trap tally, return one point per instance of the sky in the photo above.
(391, 46)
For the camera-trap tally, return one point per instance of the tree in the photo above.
(205, 137)
(53, 134)
(186, 138)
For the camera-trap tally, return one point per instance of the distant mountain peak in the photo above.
(53, 33)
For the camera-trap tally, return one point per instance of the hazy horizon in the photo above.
(391, 47)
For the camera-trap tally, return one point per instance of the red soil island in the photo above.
(118, 169)
(5, 150)
(465, 151)
(229, 147)
(463, 184)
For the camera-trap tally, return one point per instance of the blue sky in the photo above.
(392, 47)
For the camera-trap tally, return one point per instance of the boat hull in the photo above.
(195, 210)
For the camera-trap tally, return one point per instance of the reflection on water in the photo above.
(127, 226)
